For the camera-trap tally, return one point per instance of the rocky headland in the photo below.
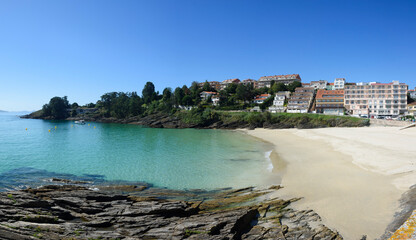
(72, 210)
(222, 120)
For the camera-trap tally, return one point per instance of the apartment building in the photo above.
(249, 81)
(213, 84)
(279, 102)
(227, 82)
(339, 83)
(330, 102)
(376, 99)
(301, 100)
(321, 84)
(286, 79)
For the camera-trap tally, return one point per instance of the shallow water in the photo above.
(172, 158)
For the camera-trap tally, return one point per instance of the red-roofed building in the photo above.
(330, 102)
(227, 82)
(259, 99)
(205, 95)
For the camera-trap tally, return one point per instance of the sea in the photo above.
(32, 152)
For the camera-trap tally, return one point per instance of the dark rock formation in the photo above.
(76, 212)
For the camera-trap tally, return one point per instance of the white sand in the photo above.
(352, 177)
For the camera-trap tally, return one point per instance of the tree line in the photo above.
(130, 104)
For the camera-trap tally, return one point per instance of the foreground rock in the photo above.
(75, 212)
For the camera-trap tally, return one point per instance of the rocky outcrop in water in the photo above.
(76, 212)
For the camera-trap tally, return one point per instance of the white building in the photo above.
(279, 102)
(205, 95)
(339, 83)
(321, 84)
(412, 94)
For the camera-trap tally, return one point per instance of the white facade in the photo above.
(279, 102)
(321, 84)
(339, 83)
(412, 94)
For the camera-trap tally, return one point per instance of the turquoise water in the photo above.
(172, 158)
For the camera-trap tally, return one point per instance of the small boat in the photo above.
(82, 122)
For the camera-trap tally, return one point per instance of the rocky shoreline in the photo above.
(76, 211)
(163, 120)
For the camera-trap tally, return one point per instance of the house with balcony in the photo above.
(301, 100)
(279, 102)
(329, 102)
(259, 99)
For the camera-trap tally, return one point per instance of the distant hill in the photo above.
(2, 111)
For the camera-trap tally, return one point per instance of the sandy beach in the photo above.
(352, 177)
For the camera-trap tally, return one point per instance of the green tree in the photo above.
(281, 87)
(231, 88)
(135, 105)
(167, 94)
(207, 87)
(293, 85)
(57, 108)
(187, 100)
(74, 105)
(178, 95)
(267, 103)
(241, 92)
(148, 92)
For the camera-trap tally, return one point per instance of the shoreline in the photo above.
(342, 190)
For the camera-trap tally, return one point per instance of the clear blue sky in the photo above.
(83, 49)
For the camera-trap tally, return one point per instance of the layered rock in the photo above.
(76, 212)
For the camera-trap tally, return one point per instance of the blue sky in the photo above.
(83, 49)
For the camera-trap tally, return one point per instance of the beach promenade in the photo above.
(354, 178)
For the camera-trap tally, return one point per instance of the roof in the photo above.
(305, 88)
(209, 92)
(288, 76)
(230, 80)
(322, 92)
(411, 104)
(262, 96)
(386, 83)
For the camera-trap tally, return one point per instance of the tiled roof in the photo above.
(322, 92)
(230, 80)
